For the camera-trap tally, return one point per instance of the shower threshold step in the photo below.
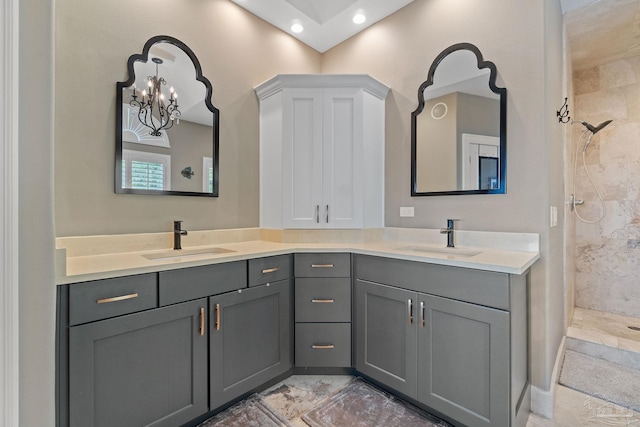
(607, 336)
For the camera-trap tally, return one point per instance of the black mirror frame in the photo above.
(502, 92)
(144, 56)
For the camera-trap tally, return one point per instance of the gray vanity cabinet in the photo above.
(452, 339)
(386, 335)
(143, 369)
(463, 360)
(249, 339)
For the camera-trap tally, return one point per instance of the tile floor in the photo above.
(297, 394)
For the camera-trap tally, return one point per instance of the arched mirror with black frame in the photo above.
(459, 129)
(167, 129)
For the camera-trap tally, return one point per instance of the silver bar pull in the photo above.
(317, 214)
(410, 311)
(323, 300)
(323, 346)
(270, 270)
(118, 298)
(327, 214)
(321, 265)
(422, 314)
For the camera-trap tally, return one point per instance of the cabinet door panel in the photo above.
(251, 344)
(463, 364)
(386, 340)
(143, 369)
(342, 151)
(302, 159)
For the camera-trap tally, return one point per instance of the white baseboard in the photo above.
(542, 400)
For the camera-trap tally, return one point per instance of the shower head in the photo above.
(595, 129)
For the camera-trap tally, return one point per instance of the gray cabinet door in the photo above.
(386, 335)
(142, 369)
(463, 361)
(250, 339)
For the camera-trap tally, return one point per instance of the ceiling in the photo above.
(326, 23)
(602, 31)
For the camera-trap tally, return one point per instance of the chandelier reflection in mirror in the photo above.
(152, 110)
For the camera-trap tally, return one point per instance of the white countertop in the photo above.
(79, 268)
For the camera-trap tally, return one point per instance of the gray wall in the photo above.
(511, 34)
(93, 41)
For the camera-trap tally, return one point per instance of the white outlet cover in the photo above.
(407, 211)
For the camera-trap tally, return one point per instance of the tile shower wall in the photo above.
(607, 253)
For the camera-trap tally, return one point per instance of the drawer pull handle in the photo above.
(410, 311)
(422, 314)
(322, 300)
(321, 265)
(323, 346)
(202, 316)
(218, 317)
(119, 298)
(270, 270)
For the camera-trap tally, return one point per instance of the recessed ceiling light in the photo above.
(359, 18)
(297, 27)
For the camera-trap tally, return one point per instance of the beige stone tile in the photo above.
(596, 107)
(633, 181)
(633, 100)
(610, 179)
(606, 257)
(575, 409)
(586, 81)
(620, 143)
(629, 344)
(616, 74)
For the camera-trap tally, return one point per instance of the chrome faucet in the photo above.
(177, 234)
(449, 232)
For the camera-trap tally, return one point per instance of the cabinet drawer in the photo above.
(101, 299)
(323, 300)
(323, 265)
(323, 345)
(487, 288)
(269, 269)
(198, 282)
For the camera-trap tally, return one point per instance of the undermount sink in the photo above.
(183, 253)
(444, 251)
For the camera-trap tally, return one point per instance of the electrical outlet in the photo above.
(553, 216)
(406, 211)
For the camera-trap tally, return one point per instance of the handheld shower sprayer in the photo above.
(592, 130)
(595, 129)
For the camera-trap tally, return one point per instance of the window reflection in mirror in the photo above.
(458, 131)
(149, 162)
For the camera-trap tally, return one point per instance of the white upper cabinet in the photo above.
(322, 151)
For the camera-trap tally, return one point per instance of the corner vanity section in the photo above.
(171, 342)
